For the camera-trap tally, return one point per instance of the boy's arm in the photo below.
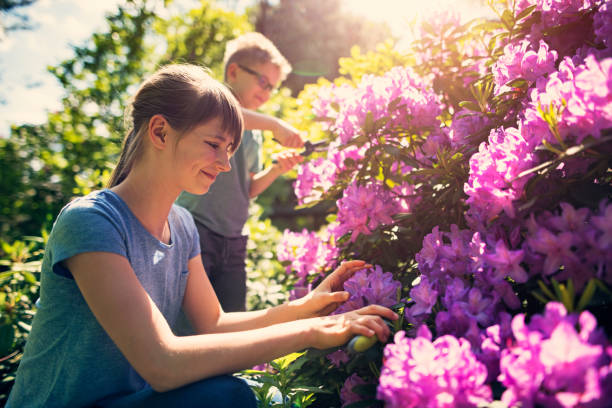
(286, 134)
(262, 180)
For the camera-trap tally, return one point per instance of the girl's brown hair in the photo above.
(186, 95)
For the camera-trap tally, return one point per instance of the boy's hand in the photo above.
(287, 135)
(285, 161)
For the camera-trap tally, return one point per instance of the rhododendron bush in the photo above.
(475, 176)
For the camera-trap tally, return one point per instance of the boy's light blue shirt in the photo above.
(224, 209)
(69, 360)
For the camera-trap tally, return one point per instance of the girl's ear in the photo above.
(157, 132)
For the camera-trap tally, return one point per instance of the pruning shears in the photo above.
(310, 148)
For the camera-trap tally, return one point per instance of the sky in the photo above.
(28, 91)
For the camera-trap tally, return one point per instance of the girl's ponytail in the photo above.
(129, 153)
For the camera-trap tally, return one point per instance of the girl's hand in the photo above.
(337, 330)
(326, 297)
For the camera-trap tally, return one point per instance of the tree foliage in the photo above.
(313, 35)
(11, 18)
(73, 152)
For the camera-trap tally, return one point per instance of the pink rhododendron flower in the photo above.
(520, 61)
(493, 184)
(416, 105)
(313, 178)
(425, 297)
(308, 253)
(370, 287)
(421, 373)
(550, 363)
(572, 243)
(363, 208)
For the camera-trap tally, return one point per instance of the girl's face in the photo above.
(200, 155)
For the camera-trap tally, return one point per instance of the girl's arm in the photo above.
(165, 361)
(206, 316)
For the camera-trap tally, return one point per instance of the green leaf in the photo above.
(508, 19)
(518, 83)
(7, 337)
(285, 361)
(525, 12)
(546, 291)
(469, 105)
(539, 297)
(587, 295)
(316, 390)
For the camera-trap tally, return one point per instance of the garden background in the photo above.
(471, 168)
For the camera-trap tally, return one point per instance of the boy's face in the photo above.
(253, 83)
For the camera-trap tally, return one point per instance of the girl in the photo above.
(121, 262)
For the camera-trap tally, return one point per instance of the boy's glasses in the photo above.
(262, 81)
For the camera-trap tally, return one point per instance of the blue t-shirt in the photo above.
(69, 360)
(224, 209)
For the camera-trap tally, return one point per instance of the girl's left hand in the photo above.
(326, 297)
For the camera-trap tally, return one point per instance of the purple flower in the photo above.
(308, 254)
(313, 179)
(425, 297)
(507, 262)
(431, 245)
(421, 373)
(570, 219)
(417, 105)
(519, 61)
(601, 24)
(370, 287)
(466, 124)
(604, 224)
(556, 248)
(493, 184)
(363, 208)
(550, 363)
(338, 357)
(571, 243)
(347, 395)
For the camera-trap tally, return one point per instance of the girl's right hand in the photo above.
(336, 330)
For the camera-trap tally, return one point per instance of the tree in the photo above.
(74, 151)
(313, 35)
(44, 166)
(11, 19)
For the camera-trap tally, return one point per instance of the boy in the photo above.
(253, 69)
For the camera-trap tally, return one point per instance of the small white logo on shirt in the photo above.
(158, 256)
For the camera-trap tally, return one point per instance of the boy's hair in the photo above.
(255, 48)
(186, 96)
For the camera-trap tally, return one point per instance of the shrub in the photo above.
(478, 173)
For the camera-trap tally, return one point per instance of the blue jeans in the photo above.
(224, 391)
(225, 261)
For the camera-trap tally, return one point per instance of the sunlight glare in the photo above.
(400, 15)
